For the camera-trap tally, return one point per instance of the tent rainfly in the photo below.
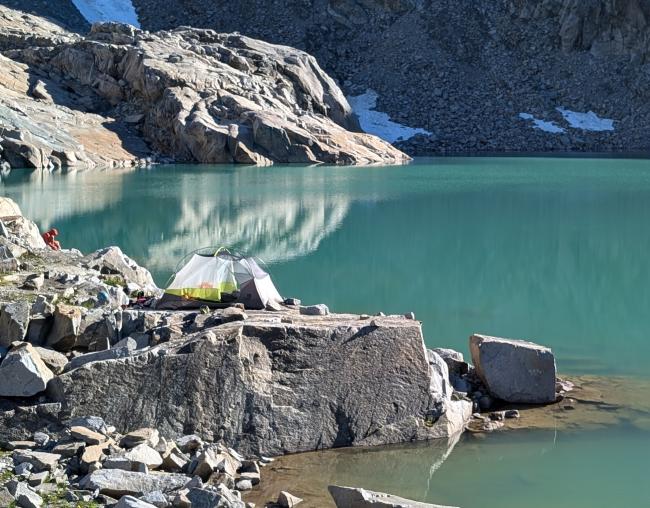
(220, 278)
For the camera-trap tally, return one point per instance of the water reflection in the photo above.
(308, 475)
(173, 212)
(549, 249)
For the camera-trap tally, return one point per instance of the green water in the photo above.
(553, 250)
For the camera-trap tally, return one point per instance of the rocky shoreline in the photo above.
(89, 374)
(119, 96)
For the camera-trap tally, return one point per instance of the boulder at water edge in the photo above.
(514, 370)
(350, 497)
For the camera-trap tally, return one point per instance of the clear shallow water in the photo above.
(554, 250)
(540, 469)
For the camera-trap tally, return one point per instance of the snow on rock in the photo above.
(108, 10)
(542, 125)
(588, 121)
(378, 123)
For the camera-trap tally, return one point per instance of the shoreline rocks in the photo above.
(188, 95)
(351, 497)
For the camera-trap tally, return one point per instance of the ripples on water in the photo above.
(554, 250)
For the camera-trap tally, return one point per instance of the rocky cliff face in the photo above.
(465, 71)
(191, 95)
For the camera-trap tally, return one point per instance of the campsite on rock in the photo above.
(328, 254)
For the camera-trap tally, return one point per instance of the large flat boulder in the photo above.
(351, 497)
(514, 370)
(117, 483)
(340, 380)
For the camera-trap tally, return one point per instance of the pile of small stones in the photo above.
(91, 465)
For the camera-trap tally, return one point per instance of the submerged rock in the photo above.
(350, 497)
(514, 370)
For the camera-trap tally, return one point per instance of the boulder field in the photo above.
(120, 96)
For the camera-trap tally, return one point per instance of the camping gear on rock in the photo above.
(220, 278)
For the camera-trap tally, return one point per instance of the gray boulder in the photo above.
(23, 494)
(23, 373)
(112, 261)
(132, 502)
(127, 348)
(252, 383)
(54, 360)
(514, 370)
(65, 330)
(315, 310)
(14, 320)
(350, 497)
(117, 483)
(221, 497)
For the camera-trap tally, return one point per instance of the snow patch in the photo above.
(378, 123)
(542, 125)
(108, 10)
(588, 121)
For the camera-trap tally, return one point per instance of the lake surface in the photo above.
(552, 250)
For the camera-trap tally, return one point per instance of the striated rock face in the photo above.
(192, 95)
(340, 381)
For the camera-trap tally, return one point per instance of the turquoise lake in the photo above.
(551, 250)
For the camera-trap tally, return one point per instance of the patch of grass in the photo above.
(113, 280)
(5, 476)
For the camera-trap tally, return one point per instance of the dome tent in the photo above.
(220, 278)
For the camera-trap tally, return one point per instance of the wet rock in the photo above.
(514, 370)
(23, 373)
(14, 320)
(117, 483)
(350, 497)
(315, 310)
(286, 500)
